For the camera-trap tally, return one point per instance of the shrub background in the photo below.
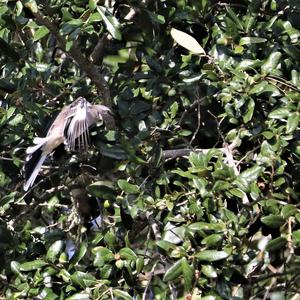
(219, 222)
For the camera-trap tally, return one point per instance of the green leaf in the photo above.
(209, 271)
(121, 294)
(292, 123)
(251, 174)
(289, 210)
(258, 88)
(92, 4)
(188, 274)
(251, 40)
(250, 109)
(140, 264)
(205, 226)
(165, 245)
(54, 250)
(128, 187)
(237, 192)
(296, 237)
(71, 26)
(154, 64)
(79, 296)
(32, 265)
(160, 19)
(102, 256)
(94, 17)
(83, 279)
(235, 18)
(79, 254)
(111, 23)
(128, 254)
(200, 184)
(16, 120)
(102, 189)
(186, 41)
(69, 45)
(50, 271)
(276, 244)
(293, 51)
(273, 221)
(15, 267)
(271, 63)
(66, 15)
(173, 272)
(295, 77)
(212, 240)
(211, 255)
(248, 64)
(231, 29)
(115, 152)
(293, 33)
(32, 6)
(279, 113)
(40, 33)
(186, 174)
(173, 109)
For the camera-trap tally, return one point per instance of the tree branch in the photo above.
(99, 50)
(84, 64)
(171, 154)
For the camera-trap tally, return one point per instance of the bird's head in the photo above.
(105, 113)
(80, 102)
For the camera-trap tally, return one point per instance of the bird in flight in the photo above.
(70, 127)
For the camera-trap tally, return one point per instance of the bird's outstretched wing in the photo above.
(76, 130)
(42, 147)
(70, 127)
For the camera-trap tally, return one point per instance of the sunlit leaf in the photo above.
(173, 272)
(186, 41)
(276, 244)
(111, 23)
(128, 187)
(211, 255)
(273, 221)
(40, 33)
(32, 265)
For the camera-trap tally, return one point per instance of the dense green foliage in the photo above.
(197, 189)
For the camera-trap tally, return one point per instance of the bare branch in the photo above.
(98, 52)
(198, 124)
(171, 154)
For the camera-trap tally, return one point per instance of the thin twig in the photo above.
(198, 123)
(282, 81)
(247, 154)
(11, 159)
(149, 281)
(171, 154)
(193, 105)
(231, 162)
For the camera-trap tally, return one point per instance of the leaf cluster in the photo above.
(196, 194)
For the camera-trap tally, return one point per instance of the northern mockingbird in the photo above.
(70, 127)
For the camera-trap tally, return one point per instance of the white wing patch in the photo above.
(77, 129)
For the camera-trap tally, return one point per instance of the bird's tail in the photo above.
(34, 160)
